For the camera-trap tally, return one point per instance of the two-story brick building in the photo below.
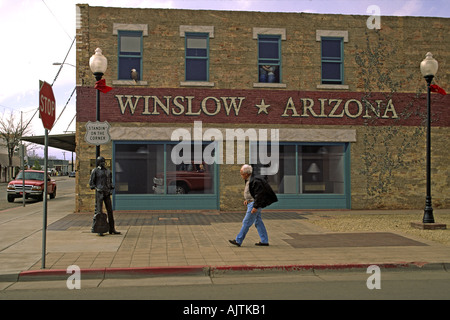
(343, 108)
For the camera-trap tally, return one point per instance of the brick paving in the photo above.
(188, 239)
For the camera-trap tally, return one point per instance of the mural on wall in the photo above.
(386, 153)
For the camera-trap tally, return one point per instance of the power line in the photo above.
(60, 24)
(59, 70)
(71, 122)
(65, 106)
(32, 117)
(62, 64)
(57, 74)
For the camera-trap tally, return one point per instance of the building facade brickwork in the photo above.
(354, 143)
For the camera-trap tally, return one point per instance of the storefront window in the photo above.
(189, 176)
(142, 168)
(309, 169)
(135, 167)
(285, 181)
(321, 169)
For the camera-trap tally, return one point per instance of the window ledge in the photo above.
(129, 83)
(333, 86)
(268, 85)
(196, 84)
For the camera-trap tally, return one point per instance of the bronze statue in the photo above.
(101, 181)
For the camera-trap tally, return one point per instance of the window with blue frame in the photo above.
(332, 53)
(309, 169)
(197, 57)
(269, 58)
(149, 168)
(130, 54)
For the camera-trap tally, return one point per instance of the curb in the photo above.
(313, 269)
(112, 273)
(213, 271)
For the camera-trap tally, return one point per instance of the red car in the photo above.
(34, 186)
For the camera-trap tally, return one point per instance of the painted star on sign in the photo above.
(262, 107)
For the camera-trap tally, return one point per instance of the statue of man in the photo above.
(101, 181)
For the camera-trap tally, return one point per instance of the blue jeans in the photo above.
(265, 76)
(250, 219)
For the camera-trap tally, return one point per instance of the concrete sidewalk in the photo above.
(194, 243)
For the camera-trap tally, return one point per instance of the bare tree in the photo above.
(11, 132)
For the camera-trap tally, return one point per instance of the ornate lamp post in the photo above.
(98, 64)
(428, 67)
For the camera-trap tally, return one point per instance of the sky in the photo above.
(38, 33)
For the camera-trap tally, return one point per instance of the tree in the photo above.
(12, 131)
(386, 148)
(37, 165)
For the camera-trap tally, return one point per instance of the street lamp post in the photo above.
(428, 67)
(98, 64)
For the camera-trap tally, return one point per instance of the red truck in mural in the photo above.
(187, 178)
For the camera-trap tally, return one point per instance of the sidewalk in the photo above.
(195, 243)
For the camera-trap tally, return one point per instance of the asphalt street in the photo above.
(65, 186)
(326, 285)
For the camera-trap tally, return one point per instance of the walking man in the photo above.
(257, 195)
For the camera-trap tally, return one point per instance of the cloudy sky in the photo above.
(38, 33)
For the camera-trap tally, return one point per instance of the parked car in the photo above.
(34, 186)
(187, 178)
(72, 174)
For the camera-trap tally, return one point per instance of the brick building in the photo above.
(346, 104)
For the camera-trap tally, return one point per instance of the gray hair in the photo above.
(246, 168)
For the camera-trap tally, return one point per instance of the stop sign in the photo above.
(47, 105)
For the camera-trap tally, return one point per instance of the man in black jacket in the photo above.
(257, 195)
(101, 181)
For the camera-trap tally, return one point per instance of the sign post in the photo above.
(47, 110)
(22, 164)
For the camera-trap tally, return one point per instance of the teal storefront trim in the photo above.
(153, 201)
(313, 201)
(165, 202)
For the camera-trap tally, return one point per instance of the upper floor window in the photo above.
(269, 58)
(130, 54)
(332, 56)
(197, 56)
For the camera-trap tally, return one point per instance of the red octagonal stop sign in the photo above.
(47, 105)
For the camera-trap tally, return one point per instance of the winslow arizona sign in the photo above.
(260, 106)
(211, 106)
